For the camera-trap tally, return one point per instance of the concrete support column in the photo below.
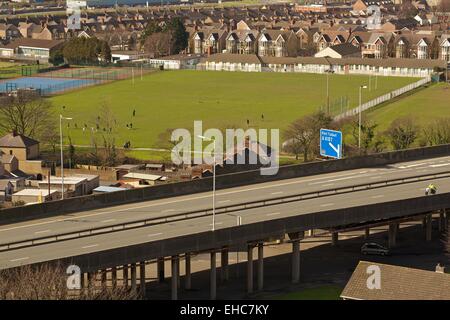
(133, 278)
(429, 224)
(334, 238)
(441, 221)
(82, 282)
(311, 232)
(224, 264)
(213, 277)
(160, 269)
(392, 235)
(446, 214)
(142, 279)
(114, 277)
(250, 268)
(260, 266)
(125, 276)
(175, 275)
(187, 277)
(366, 233)
(104, 279)
(296, 260)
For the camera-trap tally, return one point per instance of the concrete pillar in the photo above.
(441, 221)
(366, 233)
(213, 277)
(250, 268)
(125, 276)
(160, 269)
(392, 236)
(82, 282)
(224, 264)
(114, 277)
(260, 266)
(311, 232)
(334, 238)
(429, 224)
(104, 278)
(187, 277)
(295, 260)
(142, 278)
(446, 214)
(175, 275)
(133, 278)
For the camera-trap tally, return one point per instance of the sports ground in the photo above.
(174, 99)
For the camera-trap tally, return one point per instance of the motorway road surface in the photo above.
(102, 242)
(159, 208)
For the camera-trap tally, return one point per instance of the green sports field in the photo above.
(174, 99)
(424, 106)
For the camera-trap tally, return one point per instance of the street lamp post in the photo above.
(328, 71)
(214, 181)
(359, 119)
(61, 118)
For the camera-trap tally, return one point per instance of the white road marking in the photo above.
(217, 224)
(440, 165)
(108, 220)
(278, 192)
(374, 177)
(223, 201)
(43, 231)
(90, 246)
(155, 234)
(412, 165)
(352, 175)
(378, 196)
(326, 204)
(167, 210)
(327, 185)
(19, 259)
(273, 214)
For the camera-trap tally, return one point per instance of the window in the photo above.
(10, 152)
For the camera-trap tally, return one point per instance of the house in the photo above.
(25, 152)
(344, 50)
(26, 48)
(277, 43)
(29, 196)
(74, 186)
(396, 283)
(242, 42)
(9, 32)
(6, 189)
(209, 41)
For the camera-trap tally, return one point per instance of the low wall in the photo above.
(83, 203)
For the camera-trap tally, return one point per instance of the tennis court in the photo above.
(46, 86)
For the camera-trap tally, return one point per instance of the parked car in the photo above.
(374, 248)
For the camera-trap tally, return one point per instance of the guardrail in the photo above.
(219, 210)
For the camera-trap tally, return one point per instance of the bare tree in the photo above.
(302, 135)
(159, 44)
(402, 133)
(29, 115)
(49, 282)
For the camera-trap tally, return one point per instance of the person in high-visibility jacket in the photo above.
(431, 189)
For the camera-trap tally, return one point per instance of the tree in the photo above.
(151, 28)
(171, 38)
(367, 133)
(438, 132)
(107, 124)
(159, 44)
(407, 10)
(29, 115)
(179, 35)
(86, 50)
(402, 133)
(56, 57)
(302, 135)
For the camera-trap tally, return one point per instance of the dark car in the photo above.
(374, 248)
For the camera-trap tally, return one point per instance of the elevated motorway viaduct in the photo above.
(107, 251)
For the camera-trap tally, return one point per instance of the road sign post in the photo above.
(331, 143)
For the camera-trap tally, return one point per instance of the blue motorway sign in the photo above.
(331, 143)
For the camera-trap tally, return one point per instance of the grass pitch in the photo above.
(174, 99)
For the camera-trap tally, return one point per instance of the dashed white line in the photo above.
(327, 204)
(42, 231)
(108, 220)
(19, 259)
(223, 201)
(167, 210)
(89, 246)
(155, 234)
(327, 185)
(278, 192)
(273, 214)
(378, 196)
(217, 223)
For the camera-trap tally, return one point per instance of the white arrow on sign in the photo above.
(334, 148)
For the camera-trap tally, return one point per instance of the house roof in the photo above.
(345, 49)
(397, 283)
(35, 43)
(12, 140)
